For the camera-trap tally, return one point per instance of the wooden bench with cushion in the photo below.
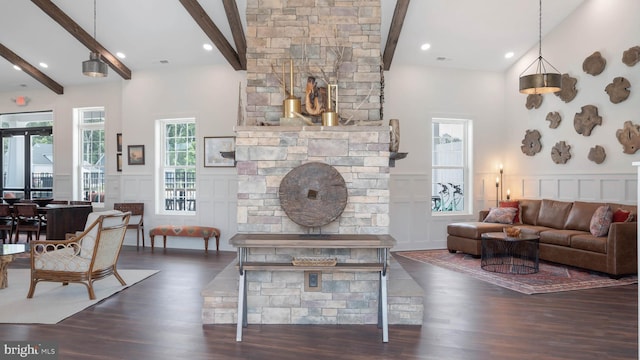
(204, 232)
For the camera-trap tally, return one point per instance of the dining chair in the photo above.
(79, 202)
(59, 202)
(137, 218)
(7, 222)
(28, 219)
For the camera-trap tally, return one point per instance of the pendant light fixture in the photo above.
(541, 81)
(94, 67)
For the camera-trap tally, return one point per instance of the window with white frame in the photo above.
(177, 170)
(450, 166)
(91, 167)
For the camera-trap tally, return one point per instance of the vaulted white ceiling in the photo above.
(161, 35)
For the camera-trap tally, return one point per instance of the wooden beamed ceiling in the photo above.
(237, 60)
(213, 33)
(397, 21)
(84, 37)
(15, 59)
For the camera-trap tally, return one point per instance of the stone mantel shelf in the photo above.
(359, 128)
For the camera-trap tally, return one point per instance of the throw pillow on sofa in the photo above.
(512, 204)
(622, 215)
(601, 220)
(501, 215)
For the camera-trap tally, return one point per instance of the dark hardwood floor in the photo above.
(159, 318)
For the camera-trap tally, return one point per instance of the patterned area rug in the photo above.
(551, 277)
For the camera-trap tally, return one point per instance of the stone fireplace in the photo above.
(338, 42)
(265, 154)
(335, 41)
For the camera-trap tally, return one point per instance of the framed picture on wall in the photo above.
(219, 151)
(119, 162)
(135, 154)
(119, 143)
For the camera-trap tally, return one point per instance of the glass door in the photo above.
(27, 163)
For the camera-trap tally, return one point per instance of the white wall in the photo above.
(492, 101)
(609, 27)
(412, 94)
(210, 94)
(415, 95)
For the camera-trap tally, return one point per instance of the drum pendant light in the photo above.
(541, 81)
(94, 67)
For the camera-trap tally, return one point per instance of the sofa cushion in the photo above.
(473, 230)
(579, 217)
(529, 210)
(515, 205)
(501, 215)
(589, 242)
(601, 220)
(553, 213)
(558, 237)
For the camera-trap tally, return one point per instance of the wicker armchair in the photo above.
(92, 255)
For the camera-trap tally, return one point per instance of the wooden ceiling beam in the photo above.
(85, 38)
(394, 32)
(15, 59)
(233, 16)
(211, 30)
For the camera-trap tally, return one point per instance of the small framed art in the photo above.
(135, 154)
(219, 151)
(119, 143)
(119, 162)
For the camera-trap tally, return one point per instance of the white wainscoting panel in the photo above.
(414, 227)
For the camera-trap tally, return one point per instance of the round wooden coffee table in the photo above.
(510, 255)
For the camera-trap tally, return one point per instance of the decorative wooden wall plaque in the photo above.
(597, 154)
(618, 90)
(531, 143)
(631, 56)
(586, 120)
(629, 137)
(561, 152)
(554, 119)
(594, 64)
(568, 91)
(533, 101)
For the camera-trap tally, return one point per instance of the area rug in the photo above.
(551, 277)
(53, 302)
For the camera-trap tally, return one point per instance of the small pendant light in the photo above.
(94, 67)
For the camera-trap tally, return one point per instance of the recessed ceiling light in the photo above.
(425, 47)
(44, 65)
(207, 47)
(509, 55)
(121, 55)
(17, 67)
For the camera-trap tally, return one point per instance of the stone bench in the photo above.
(204, 232)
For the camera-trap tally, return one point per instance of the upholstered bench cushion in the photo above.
(204, 232)
(185, 230)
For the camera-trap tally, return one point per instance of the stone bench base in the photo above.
(220, 306)
(186, 231)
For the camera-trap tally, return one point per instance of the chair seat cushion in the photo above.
(61, 260)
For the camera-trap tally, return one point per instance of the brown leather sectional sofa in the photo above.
(564, 235)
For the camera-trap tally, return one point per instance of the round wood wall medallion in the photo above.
(313, 194)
